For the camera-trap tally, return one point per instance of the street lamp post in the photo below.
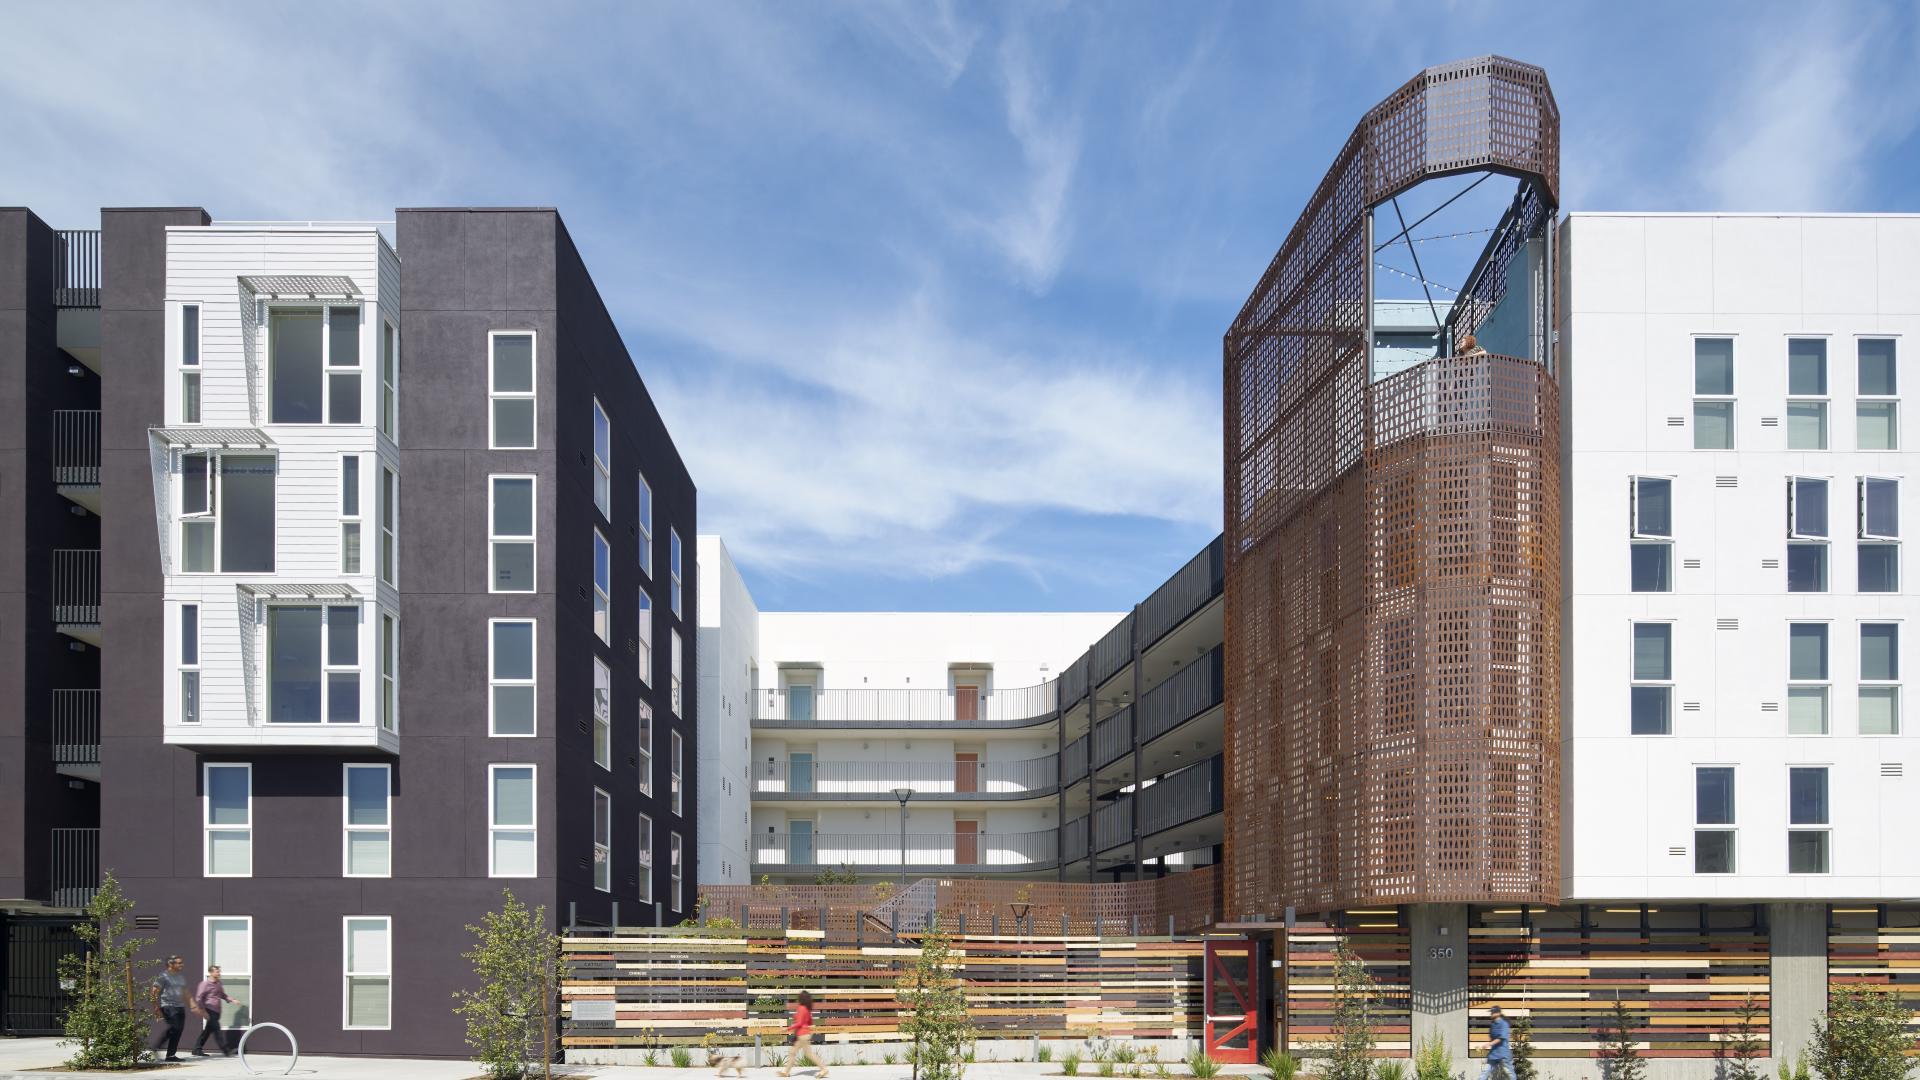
(903, 794)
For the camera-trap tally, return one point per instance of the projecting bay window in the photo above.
(646, 527)
(1806, 393)
(646, 859)
(1880, 678)
(1713, 393)
(646, 749)
(1652, 689)
(313, 664)
(645, 639)
(510, 516)
(367, 969)
(226, 512)
(1651, 510)
(1878, 554)
(511, 404)
(1809, 691)
(1713, 819)
(313, 365)
(227, 819)
(602, 588)
(511, 690)
(602, 461)
(602, 715)
(512, 832)
(350, 513)
(367, 808)
(1809, 836)
(189, 363)
(1876, 409)
(1808, 533)
(602, 841)
(189, 663)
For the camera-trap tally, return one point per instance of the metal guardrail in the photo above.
(1113, 824)
(1184, 695)
(76, 727)
(1188, 795)
(1073, 839)
(76, 867)
(881, 849)
(1018, 707)
(1113, 651)
(76, 446)
(1187, 591)
(830, 779)
(1112, 738)
(1073, 760)
(76, 585)
(76, 268)
(1073, 682)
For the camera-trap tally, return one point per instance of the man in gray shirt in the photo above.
(168, 995)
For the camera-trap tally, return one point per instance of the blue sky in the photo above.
(931, 295)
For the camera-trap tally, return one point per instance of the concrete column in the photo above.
(1439, 975)
(1799, 971)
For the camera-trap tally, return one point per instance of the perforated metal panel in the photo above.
(1392, 551)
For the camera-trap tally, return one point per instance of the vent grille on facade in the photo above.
(1892, 768)
(1676, 851)
(1769, 421)
(633, 647)
(1769, 706)
(1676, 421)
(1726, 481)
(583, 725)
(1726, 624)
(1690, 564)
(146, 922)
(1689, 706)
(1769, 564)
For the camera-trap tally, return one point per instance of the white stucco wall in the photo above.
(729, 633)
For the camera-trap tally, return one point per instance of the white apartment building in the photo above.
(1737, 489)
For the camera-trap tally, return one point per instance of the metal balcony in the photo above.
(1073, 761)
(76, 593)
(1112, 738)
(76, 733)
(1188, 795)
(76, 268)
(76, 456)
(76, 867)
(1182, 696)
(1027, 706)
(979, 852)
(855, 781)
(1187, 591)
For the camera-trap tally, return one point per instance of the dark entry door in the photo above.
(31, 999)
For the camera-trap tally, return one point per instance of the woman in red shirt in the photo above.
(802, 1031)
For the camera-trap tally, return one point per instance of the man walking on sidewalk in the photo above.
(1500, 1047)
(168, 996)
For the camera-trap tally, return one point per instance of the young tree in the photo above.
(935, 1007)
(1523, 1049)
(104, 1025)
(1741, 1051)
(1621, 1055)
(1862, 1037)
(1351, 1056)
(516, 960)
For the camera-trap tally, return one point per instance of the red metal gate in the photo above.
(1232, 980)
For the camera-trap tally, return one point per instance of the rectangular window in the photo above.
(646, 749)
(1650, 500)
(367, 967)
(1652, 690)
(389, 524)
(646, 859)
(367, 805)
(343, 365)
(602, 715)
(674, 684)
(510, 420)
(1713, 393)
(189, 663)
(602, 841)
(296, 357)
(1879, 521)
(646, 639)
(1879, 678)
(1806, 393)
(189, 363)
(226, 513)
(512, 845)
(228, 942)
(389, 665)
(227, 819)
(510, 660)
(1807, 806)
(1652, 566)
(676, 872)
(389, 380)
(1807, 673)
(673, 548)
(602, 588)
(510, 516)
(350, 513)
(602, 461)
(313, 664)
(676, 786)
(646, 527)
(1877, 410)
(1807, 532)
(1713, 847)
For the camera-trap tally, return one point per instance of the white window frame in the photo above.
(388, 557)
(208, 828)
(348, 974)
(359, 370)
(352, 512)
(494, 827)
(674, 556)
(644, 661)
(602, 843)
(389, 415)
(327, 368)
(1824, 399)
(1892, 399)
(602, 462)
(1635, 681)
(493, 728)
(602, 587)
(602, 714)
(1732, 399)
(674, 688)
(1731, 827)
(1823, 684)
(192, 369)
(644, 724)
(677, 869)
(676, 773)
(348, 828)
(387, 658)
(1633, 491)
(533, 380)
(1794, 532)
(1894, 684)
(227, 968)
(1860, 503)
(215, 510)
(644, 842)
(1795, 827)
(328, 667)
(530, 539)
(645, 495)
(188, 672)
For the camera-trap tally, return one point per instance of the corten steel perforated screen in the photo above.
(1393, 548)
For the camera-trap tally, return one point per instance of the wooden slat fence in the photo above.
(1383, 948)
(1877, 948)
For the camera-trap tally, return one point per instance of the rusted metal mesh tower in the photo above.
(1393, 547)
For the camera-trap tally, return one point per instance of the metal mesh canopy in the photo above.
(304, 286)
(1392, 552)
(314, 591)
(211, 437)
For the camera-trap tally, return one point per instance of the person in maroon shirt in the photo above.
(802, 1031)
(208, 998)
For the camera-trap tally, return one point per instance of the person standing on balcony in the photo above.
(1500, 1046)
(168, 996)
(1470, 347)
(208, 998)
(802, 1031)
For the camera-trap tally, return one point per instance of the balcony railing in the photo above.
(1073, 682)
(1073, 760)
(76, 446)
(1186, 694)
(76, 268)
(1188, 795)
(935, 779)
(1073, 839)
(1019, 707)
(1113, 824)
(1186, 592)
(1112, 738)
(76, 867)
(76, 585)
(1113, 651)
(76, 727)
(1002, 851)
